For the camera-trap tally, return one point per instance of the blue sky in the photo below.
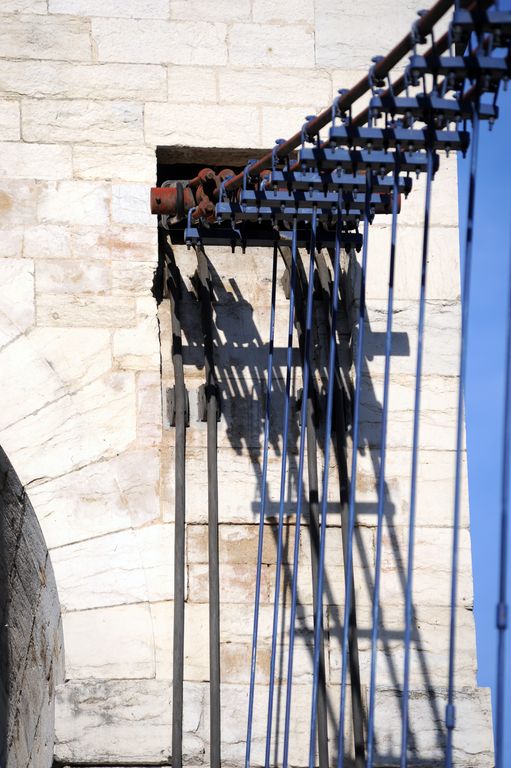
(485, 378)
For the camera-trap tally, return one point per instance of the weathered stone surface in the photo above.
(138, 9)
(130, 204)
(201, 9)
(64, 276)
(35, 161)
(73, 202)
(63, 80)
(147, 42)
(131, 566)
(25, 6)
(124, 243)
(202, 126)
(16, 305)
(41, 443)
(267, 45)
(47, 241)
(117, 122)
(9, 125)
(114, 163)
(473, 746)
(339, 42)
(256, 86)
(33, 37)
(185, 82)
(265, 11)
(138, 348)
(72, 507)
(135, 278)
(99, 311)
(117, 641)
(14, 213)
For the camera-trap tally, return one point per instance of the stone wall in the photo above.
(89, 89)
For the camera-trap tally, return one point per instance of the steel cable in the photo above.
(262, 510)
(285, 434)
(413, 487)
(381, 478)
(301, 461)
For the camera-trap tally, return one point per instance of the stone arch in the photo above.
(31, 645)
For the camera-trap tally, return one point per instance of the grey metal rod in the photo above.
(212, 410)
(179, 515)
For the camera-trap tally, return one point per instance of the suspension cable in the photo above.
(283, 472)
(381, 478)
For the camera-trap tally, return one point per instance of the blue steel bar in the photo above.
(415, 451)
(262, 509)
(298, 518)
(381, 482)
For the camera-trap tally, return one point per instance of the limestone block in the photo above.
(443, 282)
(444, 200)
(134, 278)
(117, 243)
(21, 396)
(162, 617)
(430, 646)
(18, 201)
(438, 412)
(283, 123)
(113, 163)
(35, 161)
(269, 45)
(149, 408)
(100, 498)
(131, 719)
(102, 122)
(441, 338)
(47, 241)
(473, 743)
(130, 566)
(84, 311)
(237, 583)
(73, 202)
(138, 9)
(114, 642)
(435, 488)
(56, 276)
(11, 246)
(60, 79)
(256, 86)
(286, 12)
(130, 204)
(17, 304)
(205, 126)
(9, 123)
(186, 82)
(154, 42)
(431, 586)
(138, 348)
(33, 37)
(25, 6)
(202, 9)
(44, 444)
(339, 42)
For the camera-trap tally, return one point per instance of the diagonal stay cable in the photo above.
(262, 510)
(353, 481)
(450, 713)
(318, 618)
(408, 617)
(301, 460)
(381, 478)
(285, 433)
